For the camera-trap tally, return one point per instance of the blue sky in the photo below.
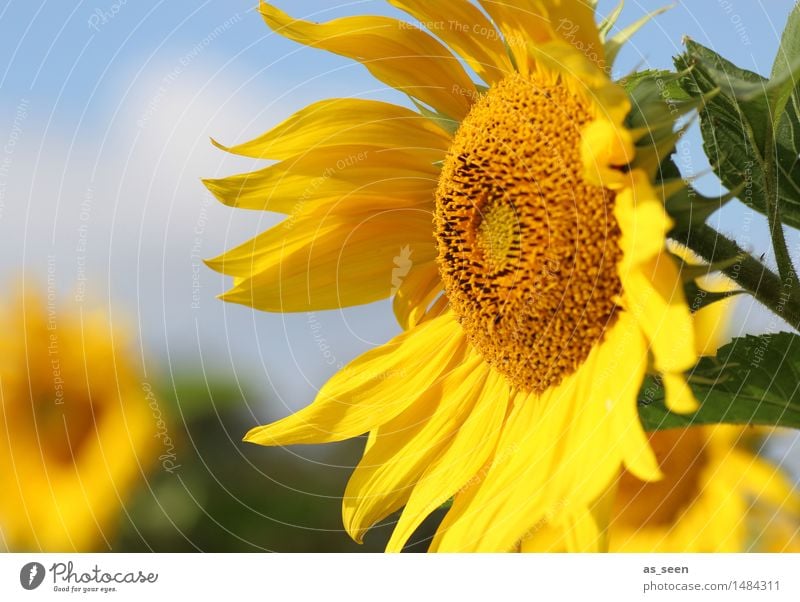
(110, 104)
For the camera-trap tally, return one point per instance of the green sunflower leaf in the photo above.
(786, 71)
(657, 99)
(751, 124)
(752, 380)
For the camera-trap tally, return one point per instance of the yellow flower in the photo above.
(76, 433)
(714, 487)
(717, 495)
(517, 227)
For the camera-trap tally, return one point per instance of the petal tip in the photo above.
(254, 435)
(219, 145)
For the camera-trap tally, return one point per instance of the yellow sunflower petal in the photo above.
(406, 445)
(402, 56)
(642, 220)
(466, 30)
(602, 510)
(342, 178)
(521, 23)
(711, 326)
(317, 263)
(345, 121)
(371, 437)
(544, 538)
(582, 532)
(372, 389)
(415, 290)
(654, 294)
(461, 462)
(574, 22)
(767, 482)
(714, 493)
(604, 147)
(728, 531)
(270, 247)
(577, 532)
(609, 101)
(560, 451)
(461, 503)
(710, 322)
(530, 24)
(678, 394)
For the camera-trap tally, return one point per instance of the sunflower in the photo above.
(517, 225)
(717, 495)
(76, 432)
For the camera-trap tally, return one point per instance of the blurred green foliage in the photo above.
(229, 496)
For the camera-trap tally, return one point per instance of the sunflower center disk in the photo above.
(497, 235)
(527, 249)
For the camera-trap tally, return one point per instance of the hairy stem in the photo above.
(779, 295)
(786, 269)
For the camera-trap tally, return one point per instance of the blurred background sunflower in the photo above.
(106, 110)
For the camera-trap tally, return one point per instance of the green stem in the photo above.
(779, 295)
(771, 197)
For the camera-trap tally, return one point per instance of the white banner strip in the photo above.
(400, 578)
